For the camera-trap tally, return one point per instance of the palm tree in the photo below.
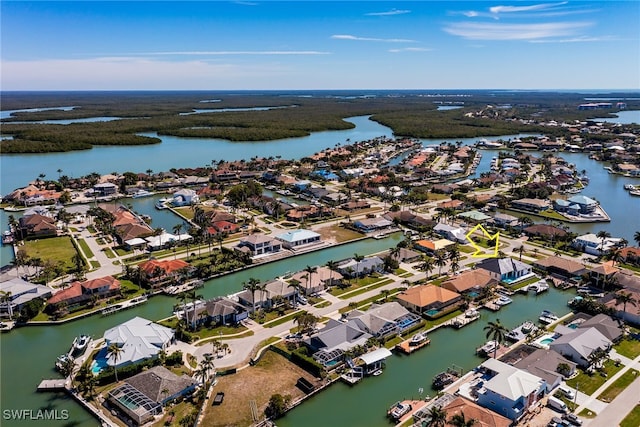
(332, 266)
(625, 298)
(295, 284)
(520, 250)
(115, 353)
(459, 420)
(177, 228)
(207, 363)
(357, 258)
(497, 332)
(252, 285)
(636, 237)
(440, 261)
(603, 235)
(194, 297)
(437, 417)
(158, 232)
(426, 265)
(6, 300)
(310, 270)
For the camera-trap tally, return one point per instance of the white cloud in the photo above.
(471, 13)
(388, 13)
(581, 39)
(239, 52)
(411, 49)
(369, 39)
(513, 9)
(498, 31)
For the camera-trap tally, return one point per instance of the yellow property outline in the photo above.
(479, 252)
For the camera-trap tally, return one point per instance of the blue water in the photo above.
(100, 362)
(432, 312)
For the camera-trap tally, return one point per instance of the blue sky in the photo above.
(216, 45)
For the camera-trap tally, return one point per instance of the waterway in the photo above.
(27, 354)
(366, 403)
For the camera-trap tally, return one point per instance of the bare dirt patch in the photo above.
(273, 374)
(337, 234)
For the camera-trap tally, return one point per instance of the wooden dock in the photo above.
(56, 384)
(491, 305)
(461, 320)
(406, 348)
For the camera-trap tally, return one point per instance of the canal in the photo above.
(366, 403)
(27, 354)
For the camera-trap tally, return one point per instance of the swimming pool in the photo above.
(100, 362)
(432, 312)
(545, 340)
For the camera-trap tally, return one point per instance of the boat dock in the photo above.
(406, 347)
(56, 384)
(491, 305)
(175, 290)
(462, 320)
(124, 305)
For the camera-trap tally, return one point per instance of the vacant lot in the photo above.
(335, 233)
(273, 374)
(54, 249)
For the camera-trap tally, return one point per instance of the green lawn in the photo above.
(632, 419)
(366, 289)
(54, 249)
(587, 413)
(281, 320)
(628, 347)
(589, 383)
(364, 302)
(618, 386)
(85, 248)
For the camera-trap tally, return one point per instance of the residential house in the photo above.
(157, 274)
(475, 217)
(429, 300)
(587, 205)
(368, 265)
(483, 417)
(405, 255)
(609, 327)
(628, 313)
(138, 339)
(222, 227)
(384, 320)
(560, 267)
(372, 224)
(318, 281)
(259, 244)
(410, 220)
(433, 246)
(79, 294)
(470, 282)
(531, 205)
(509, 391)
(506, 270)
(19, 292)
(150, 390)
(504, 220)
(546, 231)
(602, 275)
(577, 346)
(594, 245)
(217, 311)
(165, 240)
(294, 239)
(355, 205)
(547, 365)
(185, 197)
(630, 255)
(105, 189)
(37, 226)
(330, 343)
(450, 232)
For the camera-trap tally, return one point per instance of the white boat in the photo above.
(62, 360)
(471, 313)
(7, 237)
(80, 344)
(635, 192)
(504, 300)
(538, 287)
(377, 373)
(141, 193)
(547, 317)
(398, 410)
(488, 348)
(418, 338)
(629, 187)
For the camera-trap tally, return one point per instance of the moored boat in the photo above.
(504, 300)
(488, 348)
(547, 317)
(62, 360)
(398, 410)
(418, 338)
(7, 237)
(141, 193)
(444, 378)
(472, 312)
(80, 344)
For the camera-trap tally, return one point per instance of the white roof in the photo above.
(138, 338)
(375, 356)
(511, 382)
(135, 242)
(23, 291)
(296, 235)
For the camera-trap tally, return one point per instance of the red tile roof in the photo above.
(167, 266)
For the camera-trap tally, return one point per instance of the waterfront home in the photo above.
(185, 197)
(216, 311)
(409, 219)
(368, 265)
(577, 346)
(18, 292)
(450, 232)
(142, 396)
(509, 391)
(602, 275)
(37, 226)
(166, 239)
(384, 320)
(505, 220)
(138, 339)
(404, 255)
(433, 246)
(132, 235)
(552, 367)
(105, 189)
(483, 417)
(318, 281)
(156, 274)
(545, 231)
(474, 217)
(587, 205)
(594, 245)
(264, 298)
(506, 270)
(429, 300)
(259, 244)
(80, 294)
(372, 224)
(630, 255)
(373, 361)
(32, 195)
(606, 325)
(329, 344)
(628, 313)
(565, 268)
(222, 227)
(470, 282)
(531, 205)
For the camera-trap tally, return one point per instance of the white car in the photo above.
(568, 393)
(302, 300)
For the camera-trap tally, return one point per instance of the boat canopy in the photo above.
(375, 356)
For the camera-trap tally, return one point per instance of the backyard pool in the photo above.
(100, 362)
(545, 340)
(432, 312)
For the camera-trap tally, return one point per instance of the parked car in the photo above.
(557, 404)
(568, 393)
(572, 419)
(556, 422)
(302, 300)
